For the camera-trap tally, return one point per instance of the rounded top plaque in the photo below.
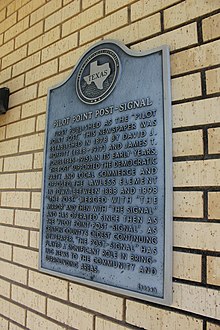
(97, 76)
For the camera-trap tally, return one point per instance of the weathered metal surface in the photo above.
(106, 206)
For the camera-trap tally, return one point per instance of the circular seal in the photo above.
(97, 76)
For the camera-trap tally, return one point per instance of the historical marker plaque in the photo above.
(107, 193)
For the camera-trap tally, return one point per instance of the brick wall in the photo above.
(40, 42)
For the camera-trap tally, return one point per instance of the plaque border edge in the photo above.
(168, 226)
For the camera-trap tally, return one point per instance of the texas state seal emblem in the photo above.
(97, 76)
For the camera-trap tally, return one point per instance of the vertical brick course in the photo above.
(213, 270)
(210, 27)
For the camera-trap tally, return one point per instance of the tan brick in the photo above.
(44, 40)
(16, 83)
(14, 235)
(2, 14)
(196, 58)
(18, 163)
(6, 216)
(34, 107)
(197, 173)
(4, 323)
(194, 235)
(16, 29)
(138, 30)
(12, 311)
(4, 4)
(63, 14)
(111, 22)
(29, 219)
(70, 59)
(111, 6)
(28, 35)
(96, 300)
(23, 95)
(188, 10)
(196, 113)
(48, 284)
(65, 2)
(11, 116)
(5, 75)
(212, 81)
(41, 72)
(187, 266)
(32, 142)
(7, 181)
(214, 140)
(1, 164)
(36, 200)
(29, 8)
(213, 270)
(7, 23)
(108, 325)
(188, 204)
(4, 289)
(69, 315)
(186, 87)
(2, 133)
(8, 147)
(25, 257)
(196, 299)
(213, 205)
(176, 39)
(34, 239)
(213, 326)
(150, 317)
(13, 326)
(14, 57)
(15, 5)
(15, 199)
(86, 17)
(50, 82)
(60, 47)
(188, 143)
(38, 160)
(13, 272)
(44, 11)
(211, 27)
(28, 63)
(29, 298)
(36, 322)
(20, 128)
(30, 180)
(87, 3)
(7, 48)
(41, 123)
(5, 251)
(142, 8)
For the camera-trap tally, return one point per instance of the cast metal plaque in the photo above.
(107, 188)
